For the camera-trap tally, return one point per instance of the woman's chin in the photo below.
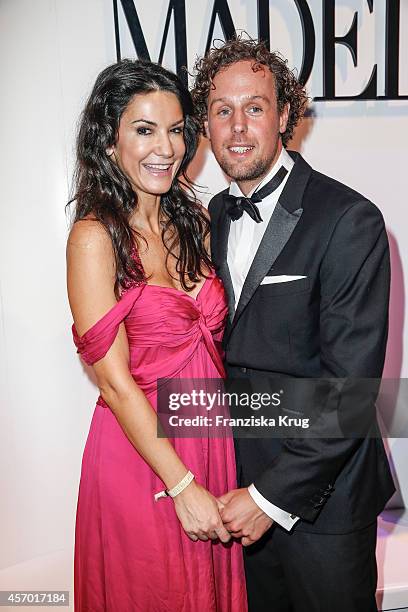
(153, 188)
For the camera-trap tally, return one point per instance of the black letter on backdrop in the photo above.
(392, 36)
(350, 41)
(264, 32)
(221, 9)
(309, 39)
(136, 32)
(329, 52)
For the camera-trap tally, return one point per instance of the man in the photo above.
(305, 265)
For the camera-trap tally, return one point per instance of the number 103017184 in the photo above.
(34, 598)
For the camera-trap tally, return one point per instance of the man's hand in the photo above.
(242, 517)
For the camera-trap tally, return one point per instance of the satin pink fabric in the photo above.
(131, 553)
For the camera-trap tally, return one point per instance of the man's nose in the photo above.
(239, 122)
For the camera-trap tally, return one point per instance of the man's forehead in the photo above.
(245, 76)
(242, 98)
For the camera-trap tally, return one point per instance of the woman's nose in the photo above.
(164, 146)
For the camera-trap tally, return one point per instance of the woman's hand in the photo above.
(198, 513)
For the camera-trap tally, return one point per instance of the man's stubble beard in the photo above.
(257, 169)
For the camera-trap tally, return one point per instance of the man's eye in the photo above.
(223, 111)
(143, 131)
(255, 109)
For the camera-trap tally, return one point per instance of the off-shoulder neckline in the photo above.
(195, 298)
(129, 292)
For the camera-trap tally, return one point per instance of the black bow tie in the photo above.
(235, 205)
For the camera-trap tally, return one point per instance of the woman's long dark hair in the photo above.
(103, 192)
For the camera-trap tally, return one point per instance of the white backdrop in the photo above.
(50, 54)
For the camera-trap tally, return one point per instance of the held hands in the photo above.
(198, 512)
(242, 516)
(234, 514)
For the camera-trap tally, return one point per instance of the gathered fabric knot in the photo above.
(202, 319)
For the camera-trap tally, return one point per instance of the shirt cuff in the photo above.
(283, 518)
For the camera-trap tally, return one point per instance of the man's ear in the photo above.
(283, 119)
(206, 130)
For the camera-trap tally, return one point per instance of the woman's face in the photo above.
(150, 144)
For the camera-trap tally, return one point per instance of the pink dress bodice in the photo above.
(162, 318)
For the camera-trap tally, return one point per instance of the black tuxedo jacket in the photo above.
(330, 324)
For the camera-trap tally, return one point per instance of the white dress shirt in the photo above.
(243, 242)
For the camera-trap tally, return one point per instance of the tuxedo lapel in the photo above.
(219, 240)
(277, 233)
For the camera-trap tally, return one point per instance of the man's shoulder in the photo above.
(333, 196)
(215, 204)
(328, 184)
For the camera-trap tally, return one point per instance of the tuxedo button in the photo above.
(243, 370)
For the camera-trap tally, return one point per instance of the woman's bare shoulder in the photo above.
(89, 233)
(90, 272)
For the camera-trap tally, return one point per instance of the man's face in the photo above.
(244, 124)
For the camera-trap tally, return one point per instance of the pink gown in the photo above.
(131, 553)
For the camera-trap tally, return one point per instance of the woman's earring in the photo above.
(109, 151)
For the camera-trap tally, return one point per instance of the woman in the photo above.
(146, 305)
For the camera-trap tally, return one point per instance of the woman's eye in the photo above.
(178, 130)
(143, 131)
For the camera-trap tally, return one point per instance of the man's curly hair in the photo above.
(288, 88)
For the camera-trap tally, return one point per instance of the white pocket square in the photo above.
(283, 278)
